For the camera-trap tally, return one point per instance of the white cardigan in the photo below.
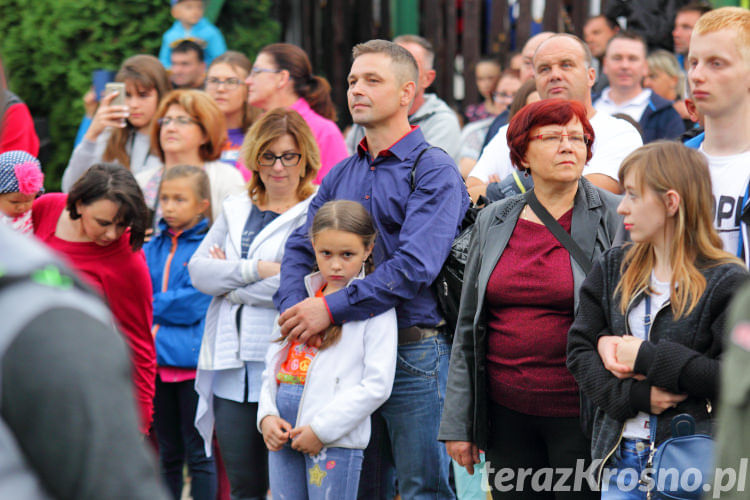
(234, 282)
(345, 383)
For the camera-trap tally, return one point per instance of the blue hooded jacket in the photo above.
(179, 309)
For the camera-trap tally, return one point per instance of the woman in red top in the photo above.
(99, 226)
(509, 392)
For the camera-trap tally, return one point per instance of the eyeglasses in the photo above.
(287, 159)
(502, 95)
(256, 71)
(229, 83)
(178, 120)
(554, 139)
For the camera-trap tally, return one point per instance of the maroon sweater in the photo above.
(529, 311)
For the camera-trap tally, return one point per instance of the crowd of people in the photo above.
(270, 278)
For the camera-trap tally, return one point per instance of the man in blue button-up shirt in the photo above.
(415, 230)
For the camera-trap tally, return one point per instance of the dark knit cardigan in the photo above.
(681, 356)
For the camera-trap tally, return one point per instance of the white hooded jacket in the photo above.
(345, 383)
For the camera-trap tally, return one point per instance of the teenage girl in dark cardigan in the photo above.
(647, 337)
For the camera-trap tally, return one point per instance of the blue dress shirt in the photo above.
(415, 232)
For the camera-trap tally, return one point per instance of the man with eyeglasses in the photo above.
(188, 66)
(416, 221)
(562, 70)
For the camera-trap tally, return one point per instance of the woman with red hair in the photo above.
(513, 322)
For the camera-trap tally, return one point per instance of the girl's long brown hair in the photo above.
(661, 166)
(145, 72)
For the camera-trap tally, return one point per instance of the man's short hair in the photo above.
(736, 19)
(700, 7)
(587, 57)
(405, 66)
(422, 42)
(611, 23)
(629, 35)
(186, 46)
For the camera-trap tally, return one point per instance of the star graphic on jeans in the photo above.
(317, 475)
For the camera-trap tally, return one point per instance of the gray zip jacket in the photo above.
(594, 226)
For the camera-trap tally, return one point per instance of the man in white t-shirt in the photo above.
(719, 78)
(562, 69)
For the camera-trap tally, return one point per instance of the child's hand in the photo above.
(275, 432)
(217, 253)
(304, 440)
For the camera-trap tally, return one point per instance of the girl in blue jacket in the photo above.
(179, 313)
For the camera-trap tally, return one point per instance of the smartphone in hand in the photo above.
(118, 87)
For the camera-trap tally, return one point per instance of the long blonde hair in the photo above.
(662, 166)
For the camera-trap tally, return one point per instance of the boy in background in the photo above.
(191, 25)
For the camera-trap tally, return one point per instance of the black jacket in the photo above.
(682, 355)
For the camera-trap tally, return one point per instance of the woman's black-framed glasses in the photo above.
(287, 159)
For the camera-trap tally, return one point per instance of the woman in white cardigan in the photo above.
(189, 129)
(239, 263)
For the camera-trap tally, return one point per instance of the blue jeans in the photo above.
(332, 473)
(174, 412)
(412, 418)
(625, 469)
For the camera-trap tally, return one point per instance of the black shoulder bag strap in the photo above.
(559, 232)
(414, 167)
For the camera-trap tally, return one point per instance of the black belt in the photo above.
(417, 333)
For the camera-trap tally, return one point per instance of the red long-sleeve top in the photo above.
(121, 275)
(18, 130)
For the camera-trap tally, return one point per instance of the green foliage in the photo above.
(50, 47)
(248, 26)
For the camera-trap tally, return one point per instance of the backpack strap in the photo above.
(416, 162)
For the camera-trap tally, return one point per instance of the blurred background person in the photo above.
(225, 83)
(486, 74)
(282, 77)
(189, 129)
(121, 133)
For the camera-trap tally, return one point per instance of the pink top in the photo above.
(327, 135)
(175, 374)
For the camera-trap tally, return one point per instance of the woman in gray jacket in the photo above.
(238, 263)
(509, 392)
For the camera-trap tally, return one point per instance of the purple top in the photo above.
(230, 153)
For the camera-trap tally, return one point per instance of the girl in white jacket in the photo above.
(315, 402)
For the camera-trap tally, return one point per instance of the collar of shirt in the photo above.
(639, 100)
(400, 149)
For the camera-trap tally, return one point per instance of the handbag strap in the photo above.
(559, 232)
